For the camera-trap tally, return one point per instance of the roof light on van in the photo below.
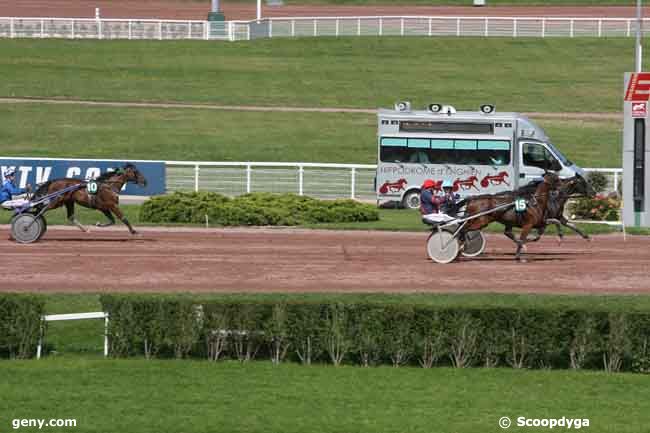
(403, 106)
(487, 109)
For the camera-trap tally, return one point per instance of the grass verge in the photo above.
(192, 396)
(552, 74)
(77, 131)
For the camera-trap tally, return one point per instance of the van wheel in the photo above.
(411, 200)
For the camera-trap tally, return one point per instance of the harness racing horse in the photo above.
(534, 216)
(105, 199)
(575, 186)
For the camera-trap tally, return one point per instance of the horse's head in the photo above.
(132, 174)
(551, 180)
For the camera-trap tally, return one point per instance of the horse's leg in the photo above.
(558, 226)
(118, 213)
(69, 206)
(565, 222)
(522, 240)
(111, 219)
(509, 234)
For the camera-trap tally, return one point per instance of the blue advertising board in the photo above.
(37, 171)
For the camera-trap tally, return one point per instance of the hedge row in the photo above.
(262, 209)
(20, 321)
(371, 333)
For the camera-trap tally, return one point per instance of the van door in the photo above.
(536, 158)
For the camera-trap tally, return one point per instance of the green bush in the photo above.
(372, 333)
(20, 324)
(598, 181)
(600, 208)
(258, 209)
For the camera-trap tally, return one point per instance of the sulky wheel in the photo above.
(442, 247)
(26, 228)
(474, 244)
(44, 224)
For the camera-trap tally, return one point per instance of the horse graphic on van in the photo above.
(465, 184)
(393, 186)
(497, 179)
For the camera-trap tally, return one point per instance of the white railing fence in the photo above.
(80, 28)
(329, 181)
(90, 28)
(452, 26)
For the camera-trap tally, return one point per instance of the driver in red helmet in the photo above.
(433, 206)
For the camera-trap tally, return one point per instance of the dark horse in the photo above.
(533, 217)
(567, 188)
(105, 199)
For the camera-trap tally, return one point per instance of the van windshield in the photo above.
(560, 155)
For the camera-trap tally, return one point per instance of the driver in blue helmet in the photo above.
(9, 189)
(438, 208)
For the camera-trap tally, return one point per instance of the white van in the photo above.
(481, 152)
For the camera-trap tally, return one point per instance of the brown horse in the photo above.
(105, 199)
(567, 188)
(534, 216)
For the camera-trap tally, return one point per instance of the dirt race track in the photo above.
(238, 260)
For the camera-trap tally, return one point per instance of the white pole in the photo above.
(248, 178)
(301, 172)
(353, 182)
(106, 336)
(196, 177)
(259, 10)
(639, 30)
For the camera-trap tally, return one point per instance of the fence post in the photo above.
(543, 27)
(381, 26)
(571, 29)
(270, 28)
(99, 29)
(401, 27)
(12, 30)
(337, 27)
(106, 336)
(301, 171)
(248, 178)
(487, 33)
(358, 26)
(353, 182)
(600, 27)
(430, 32)
(315, 28)
(615, 180)
(160, 30)
(628, 28)
(72, 30)
(189, 30)
(293, 28)
(514, 28)
(206, 30)
(42, 25)
(196, 177)
(457, 26)
(130, 29)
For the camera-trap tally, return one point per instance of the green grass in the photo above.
(139, 396)
(517, 74)
(220, 135)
